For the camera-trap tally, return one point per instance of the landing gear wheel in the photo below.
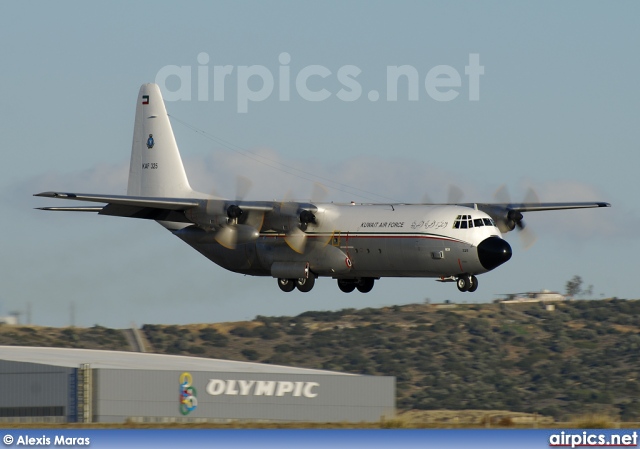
(474, 283)
(286, 285)
(306, 284)
(463, 283)
(346, 286)
(365, 285)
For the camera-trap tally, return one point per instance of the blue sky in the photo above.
(557, 111)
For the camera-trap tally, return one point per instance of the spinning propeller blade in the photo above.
(296, 239)
(227, 236)
(527, 236)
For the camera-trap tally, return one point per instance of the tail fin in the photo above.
(156, 168)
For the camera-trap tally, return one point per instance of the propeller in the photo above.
(297, 219)
(240, 225)
(454, 196)
(243, 186)
(319, 193)
(515, 219)
(227, 235)
(295, 237)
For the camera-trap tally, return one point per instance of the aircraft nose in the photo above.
(493, 252)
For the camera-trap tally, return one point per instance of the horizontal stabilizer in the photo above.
(72, 209)
(158, 203)
(159, 209)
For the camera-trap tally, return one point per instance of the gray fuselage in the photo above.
(353, 241)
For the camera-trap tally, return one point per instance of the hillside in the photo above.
(581, 358)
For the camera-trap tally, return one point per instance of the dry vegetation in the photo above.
(581, 359)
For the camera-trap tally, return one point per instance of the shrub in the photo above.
(250, 354)
(171, 330)
(214, 338)
(283, 348)
(266, 332)
(242, 331)
(593, 422)
(298, 329)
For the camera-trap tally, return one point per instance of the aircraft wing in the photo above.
(533, 207)
(509, 215)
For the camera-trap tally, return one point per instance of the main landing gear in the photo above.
(467, 283)
(364, 285)
(303, 284)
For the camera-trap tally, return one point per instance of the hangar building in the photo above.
(81, 385)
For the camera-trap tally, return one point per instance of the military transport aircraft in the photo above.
(296, 242)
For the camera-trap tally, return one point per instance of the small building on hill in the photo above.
(11, 320)
(541, 296)
(81, 385)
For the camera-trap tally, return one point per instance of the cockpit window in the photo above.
(466, 222)
(463, 222)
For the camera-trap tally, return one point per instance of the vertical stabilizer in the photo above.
(156, 168)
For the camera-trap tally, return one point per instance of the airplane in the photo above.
(298, 242)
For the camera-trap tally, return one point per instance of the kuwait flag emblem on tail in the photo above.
(145, 99)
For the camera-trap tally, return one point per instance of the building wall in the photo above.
(31, 392)
(30, 389)
(155, 395)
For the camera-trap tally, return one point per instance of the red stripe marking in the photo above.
(447, 239)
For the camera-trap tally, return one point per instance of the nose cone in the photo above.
(493, 252)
